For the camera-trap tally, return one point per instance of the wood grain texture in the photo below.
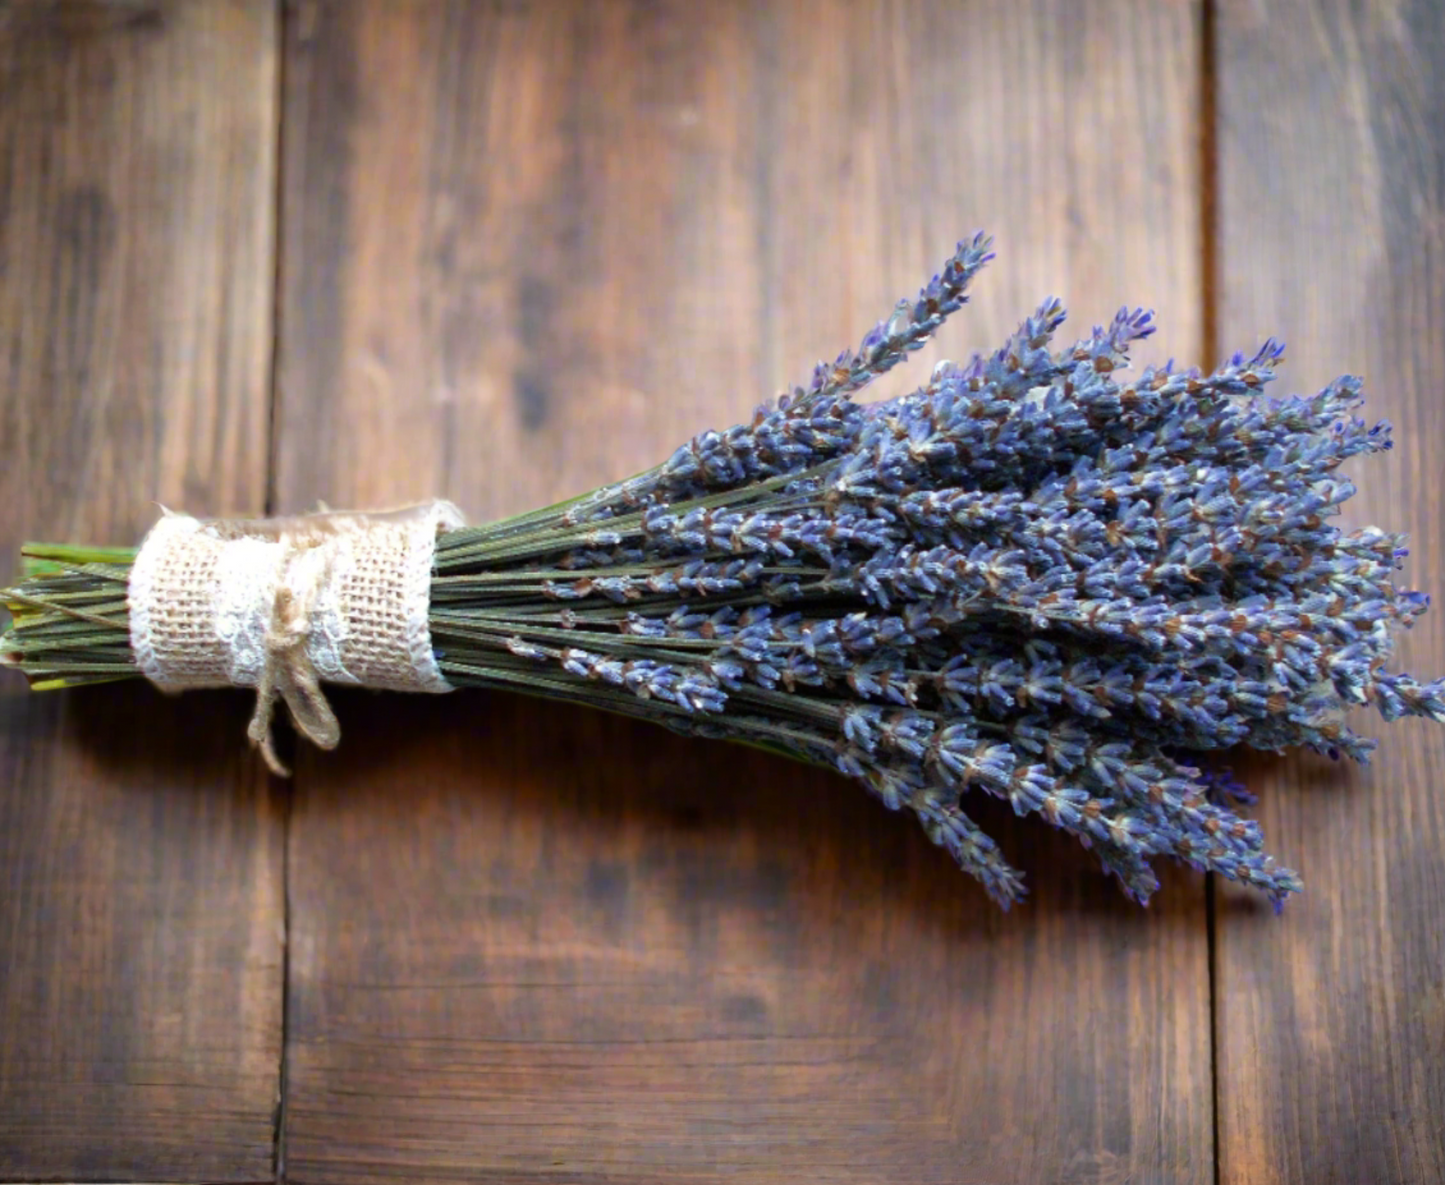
(1331, 1020)
(141, 914)
(530, 248)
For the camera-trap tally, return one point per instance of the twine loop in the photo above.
(288, 672)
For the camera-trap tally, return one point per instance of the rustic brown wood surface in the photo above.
(1331, 1024)
(518, 249)
(529, 248)
(141, 850)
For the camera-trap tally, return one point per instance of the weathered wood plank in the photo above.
(1331, 1019)
(141, 915)
(529, 248)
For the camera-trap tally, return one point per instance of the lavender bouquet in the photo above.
(1030, 578)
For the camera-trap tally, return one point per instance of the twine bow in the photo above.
(289, 673)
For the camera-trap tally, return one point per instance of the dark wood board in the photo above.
(529, 248)
(141, 850)
(1331, 1019)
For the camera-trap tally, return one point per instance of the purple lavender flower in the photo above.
(1032, 578)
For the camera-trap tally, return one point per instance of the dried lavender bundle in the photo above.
(1028, 578)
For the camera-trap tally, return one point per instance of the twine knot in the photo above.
(288, 672)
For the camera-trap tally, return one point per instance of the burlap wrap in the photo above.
(282, 604)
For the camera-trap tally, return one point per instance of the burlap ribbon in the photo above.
(284, 604)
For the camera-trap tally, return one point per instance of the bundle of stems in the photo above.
(1029, 578)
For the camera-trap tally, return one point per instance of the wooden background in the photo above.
(253, 255)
